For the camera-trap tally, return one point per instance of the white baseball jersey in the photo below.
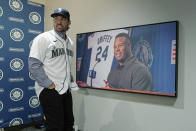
(56, 55)
(102, 55)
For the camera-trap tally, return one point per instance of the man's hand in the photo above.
(107, 85)
(52, 86)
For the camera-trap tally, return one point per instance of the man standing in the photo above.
(50, 63)
(130, 74)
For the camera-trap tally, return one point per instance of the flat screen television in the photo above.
(136, 59)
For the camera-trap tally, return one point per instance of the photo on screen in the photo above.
(137, 59)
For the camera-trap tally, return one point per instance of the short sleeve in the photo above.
(38, 48)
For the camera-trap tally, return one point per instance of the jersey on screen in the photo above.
(102, 56)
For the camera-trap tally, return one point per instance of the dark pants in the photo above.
(57, 110)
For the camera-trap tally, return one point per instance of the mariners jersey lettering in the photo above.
(58, 52)
(102, 56)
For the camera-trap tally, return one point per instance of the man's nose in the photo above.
(59, 22)
(116, 48)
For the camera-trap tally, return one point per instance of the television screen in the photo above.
(137, 59)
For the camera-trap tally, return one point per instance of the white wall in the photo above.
(39, 1)
(97, 110)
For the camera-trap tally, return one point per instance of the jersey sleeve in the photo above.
(38, 48)
(38, 73)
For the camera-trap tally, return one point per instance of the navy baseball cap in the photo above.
(62, 12)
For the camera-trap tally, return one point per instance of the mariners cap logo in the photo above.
(16, 94)
(1, 106)
(16, 121)
(16, 34)
(1, 43)
(1, 74)
(16, 5)
(35, 17)
(143, 52)
(34, 102)
(16, 64)
(1, 11)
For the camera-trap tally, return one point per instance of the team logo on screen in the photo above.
(16, 34)
(1, 74)
(143, 52)
(1, 106)
(16, 5)
(16, 121)
(16, 94)
(1, 11)
(34, 102)
(16, 64)
(35, 17)
(1, 43)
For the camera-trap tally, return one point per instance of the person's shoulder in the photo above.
(70, 41)
(140, 67)
(140, 64)
(136, 65)
(41, 38)
(134, 61)
(46, 34)
(43, 35)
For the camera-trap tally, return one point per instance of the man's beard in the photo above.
(126, 55)
(63, 29)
